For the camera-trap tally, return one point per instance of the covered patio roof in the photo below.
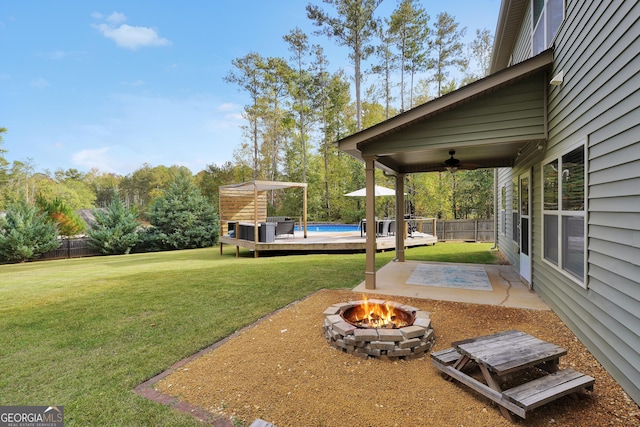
(486, 122)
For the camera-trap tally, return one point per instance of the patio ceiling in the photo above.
(487, 123)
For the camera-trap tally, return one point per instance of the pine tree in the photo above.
(69, 223)
(184, 216)
(25, 234)
(114, 230)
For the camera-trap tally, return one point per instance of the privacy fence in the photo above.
(71, 248)
(478, 230)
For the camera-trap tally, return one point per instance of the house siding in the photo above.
(523, 47)
(506, 245)
(597, 48)
(515, 112)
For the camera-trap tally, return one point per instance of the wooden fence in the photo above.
(479, 230)
(71, 248)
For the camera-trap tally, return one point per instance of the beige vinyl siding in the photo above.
(598, 49)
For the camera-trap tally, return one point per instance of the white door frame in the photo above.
(525, 208)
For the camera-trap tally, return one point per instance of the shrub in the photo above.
(25, 233)
(114, 229)
(150, 239)
(69, 223)
(185, 216)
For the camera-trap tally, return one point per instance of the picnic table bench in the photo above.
(507, 352)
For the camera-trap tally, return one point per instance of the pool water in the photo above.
(330, 228)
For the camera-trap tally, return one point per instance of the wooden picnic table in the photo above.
(507, 352)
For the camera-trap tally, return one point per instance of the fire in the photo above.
(374, 315)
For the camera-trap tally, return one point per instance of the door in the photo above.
(525, 226)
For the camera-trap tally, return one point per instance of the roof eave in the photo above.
(354, 143)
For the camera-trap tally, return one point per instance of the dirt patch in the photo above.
(283, 371)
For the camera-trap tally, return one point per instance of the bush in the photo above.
(68, 222)
(25, 233)
(150, 239)
(184, 216)
(114, 230)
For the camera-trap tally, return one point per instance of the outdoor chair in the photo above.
(285, 227)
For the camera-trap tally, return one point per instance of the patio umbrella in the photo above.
(379, 191)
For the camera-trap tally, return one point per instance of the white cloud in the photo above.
(127, 36)
(115, 18)
(111, 159)
(229, 106)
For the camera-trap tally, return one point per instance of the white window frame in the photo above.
(542, 25)
(560, 213)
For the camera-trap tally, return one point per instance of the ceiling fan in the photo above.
(452, 164)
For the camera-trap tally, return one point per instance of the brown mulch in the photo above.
(283, 371)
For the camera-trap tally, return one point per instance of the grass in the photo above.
(84, 332)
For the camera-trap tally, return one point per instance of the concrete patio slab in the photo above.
(508, 288)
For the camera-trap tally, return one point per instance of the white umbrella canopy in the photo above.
(379, 191)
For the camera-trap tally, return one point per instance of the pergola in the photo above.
(247, 202)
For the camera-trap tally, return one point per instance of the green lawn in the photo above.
(83, 333)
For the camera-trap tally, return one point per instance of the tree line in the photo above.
(298, 107)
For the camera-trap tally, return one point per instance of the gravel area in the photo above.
(283, 371)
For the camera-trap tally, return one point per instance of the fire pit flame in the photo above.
(375, 315)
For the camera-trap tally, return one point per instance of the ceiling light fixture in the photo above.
(452, 163)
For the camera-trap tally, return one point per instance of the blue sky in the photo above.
(116, 84)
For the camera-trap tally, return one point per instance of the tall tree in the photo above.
(448, 48)
(302, 88)
(248, 74)
(213, 176)
(387, 65)
(480, 50)
(274, 116)
(353, 27)
(4, 164)
(409, 28)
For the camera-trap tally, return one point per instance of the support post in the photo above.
(304, 211)
(400, 217)
(370, 265)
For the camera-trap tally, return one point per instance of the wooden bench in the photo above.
(523, 398)
(548, 388)
(446, 357)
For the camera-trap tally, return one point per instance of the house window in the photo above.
(564, 212)
(547, 17)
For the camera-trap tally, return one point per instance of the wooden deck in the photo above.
(325, 242)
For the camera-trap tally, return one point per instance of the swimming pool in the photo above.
(330, 228)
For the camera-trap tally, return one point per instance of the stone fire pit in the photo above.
(406, 335)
